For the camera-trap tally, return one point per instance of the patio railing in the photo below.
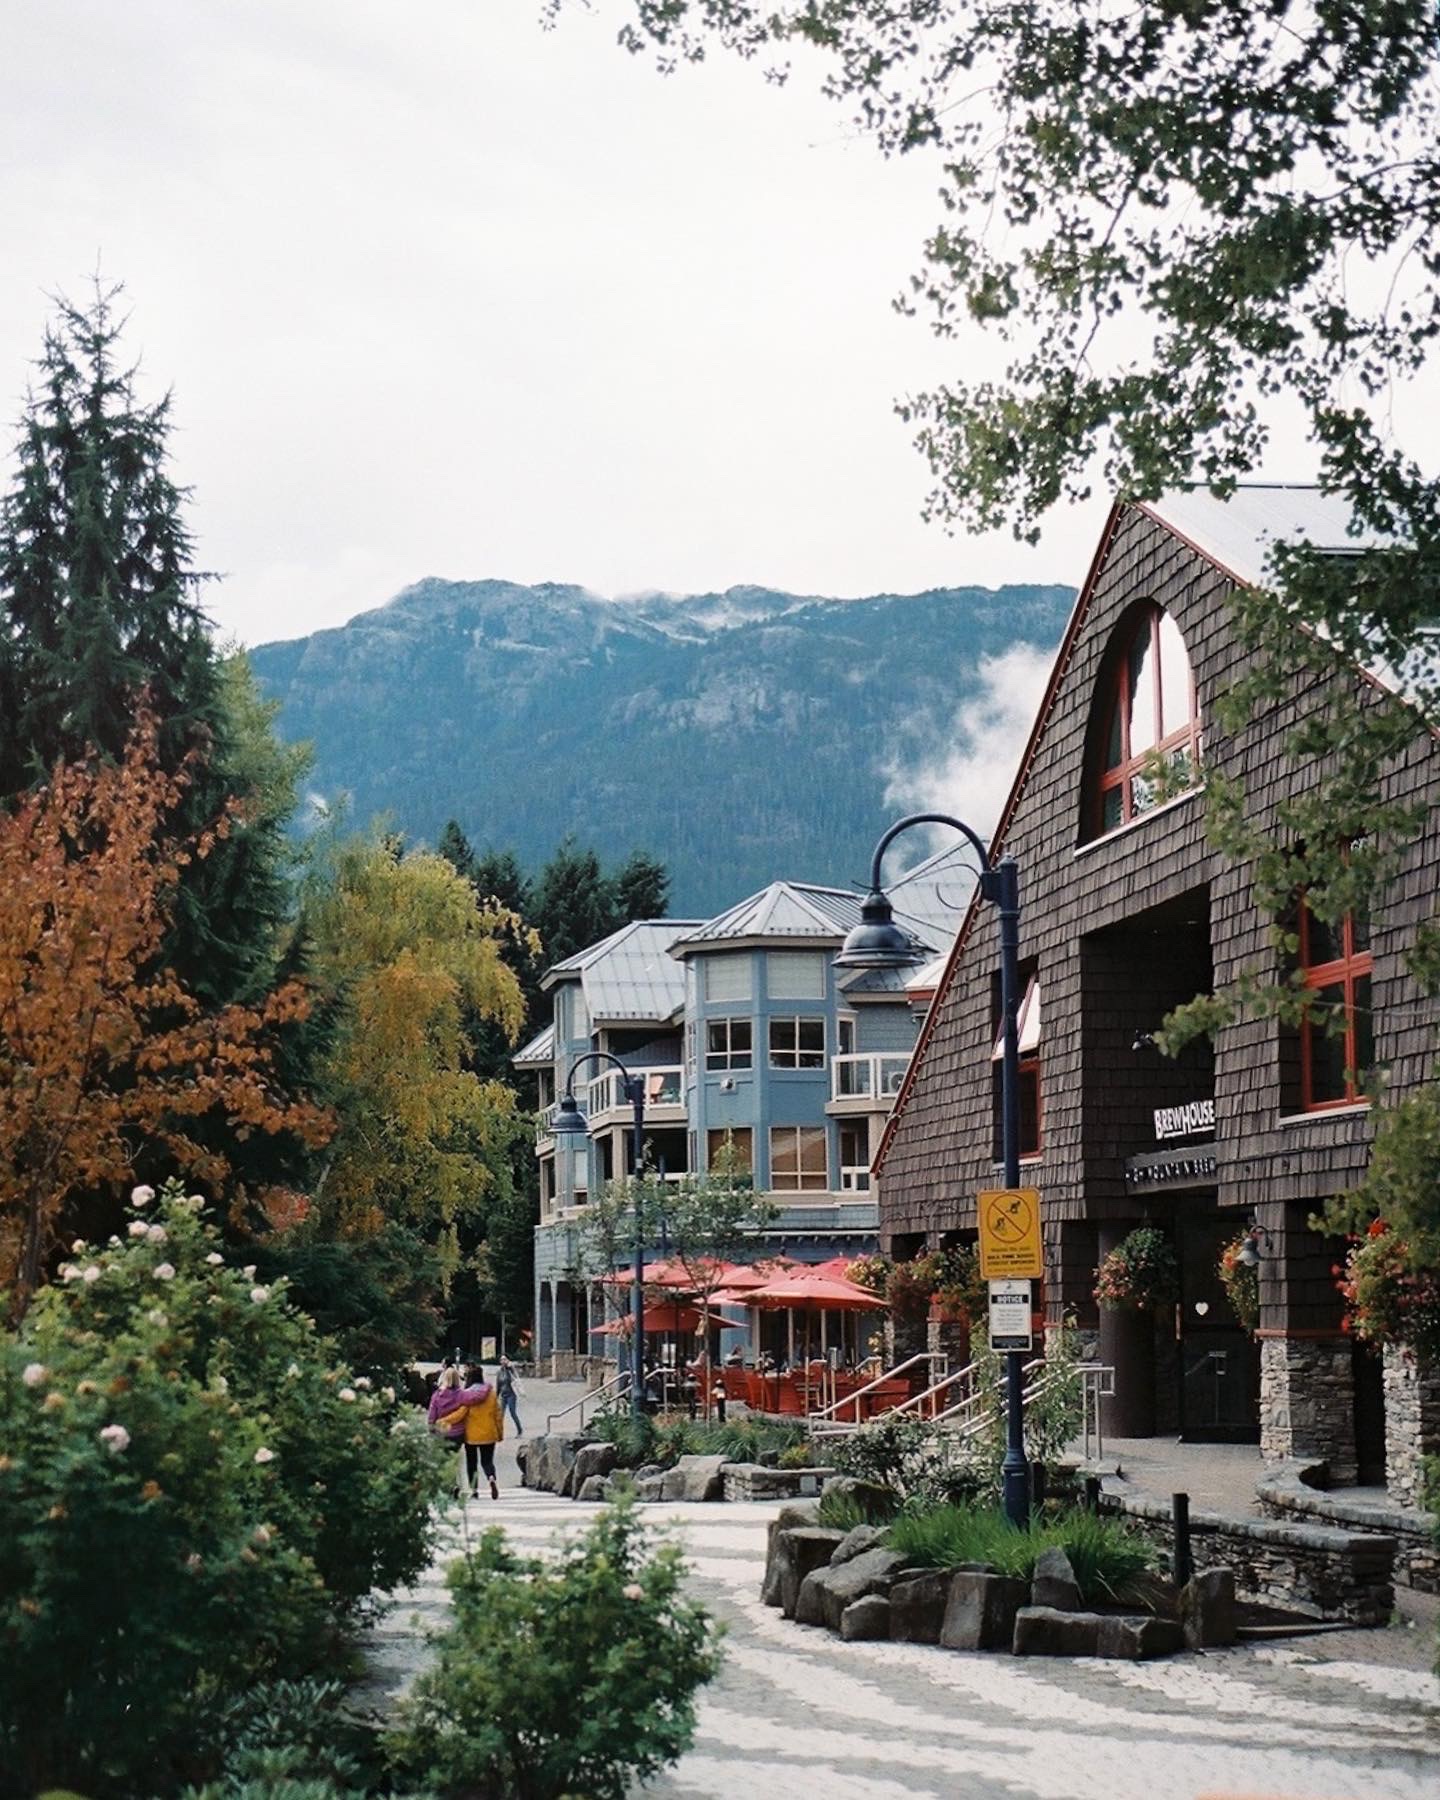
(876, 1076)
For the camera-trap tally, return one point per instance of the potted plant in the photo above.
(1139, 1274)
(1388, 1301)
(1240, 1278)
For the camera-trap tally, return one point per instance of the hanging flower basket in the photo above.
(1241, 1282)
(1388, 1301)
(1139, 1274)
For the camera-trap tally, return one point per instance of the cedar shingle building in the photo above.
(1128, 911)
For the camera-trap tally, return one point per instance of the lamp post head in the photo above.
(877, 942)
(1248, 1255)
(569, 1121)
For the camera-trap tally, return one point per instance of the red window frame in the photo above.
(1342, 971)
(1184, 737)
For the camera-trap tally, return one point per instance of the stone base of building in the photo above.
(1412, 1423)
(1307, 1403)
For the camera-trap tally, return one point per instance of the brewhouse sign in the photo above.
(1188, 1120)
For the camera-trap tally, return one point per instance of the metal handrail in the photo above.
(925, 1356)
(608, 1390)
(916, 1402)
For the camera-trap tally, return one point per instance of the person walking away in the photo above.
(447, 1414)
(507, 1387)
(484, 1428)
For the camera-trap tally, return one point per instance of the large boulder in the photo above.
(824, 1595)
(799, 1551)
(594, 1487)
(551, 1459)
(917, 1607)
(592, 1459)
(1207, 1608)
(1135, 1636)
(650, 1487)
(695, 1478)
(1051, 1631)
(877, 1500)
(865, 1620)
(856, 1541)
(790, 1518)
(1053, 1582)
(980, 1610)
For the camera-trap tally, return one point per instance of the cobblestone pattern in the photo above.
(1412, 1422)
(1307, 1403)
(795, 1711)
(1325, 1573)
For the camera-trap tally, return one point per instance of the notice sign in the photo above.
(487, 1349)
(1010, 1315)
(1010, 1234)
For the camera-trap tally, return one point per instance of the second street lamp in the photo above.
(877, 942)
(569, 1121)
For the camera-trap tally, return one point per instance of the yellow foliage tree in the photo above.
(411, 956)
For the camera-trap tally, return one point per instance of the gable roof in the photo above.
(1260, 515)
(801, 912)
(629, 975)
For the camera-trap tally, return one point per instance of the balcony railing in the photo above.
(875, 1077)
(663, 1087)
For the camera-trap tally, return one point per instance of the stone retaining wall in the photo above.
(1289, 1492)
(1412, 1422)
(754, 1481)
(1320, 1571)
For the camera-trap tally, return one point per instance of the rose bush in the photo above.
(193, 1498)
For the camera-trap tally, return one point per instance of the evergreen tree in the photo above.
(574, 904)
(99, 604)
(498, 876)
(454, 846)
(642, 888)
(98, 593)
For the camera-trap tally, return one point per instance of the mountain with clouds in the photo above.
(739, 736)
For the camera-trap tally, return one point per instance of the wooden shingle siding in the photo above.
(1081, 909)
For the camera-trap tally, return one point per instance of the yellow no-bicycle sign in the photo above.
(1010, 1234)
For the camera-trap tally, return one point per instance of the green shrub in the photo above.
(575, 1674)
(1105, 1555)
(924, 1466)
(797, 1456)
(632, 1434)
(842, 1509)
(193, 1499)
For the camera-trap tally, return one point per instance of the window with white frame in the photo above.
(798, 1159)
(728, 1044)
(731, 1145)
(727, 977)
(795, 974)
(797, 1043)
(846, 1029)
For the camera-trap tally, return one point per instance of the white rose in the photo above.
(214, 1259)
(248, 1271)
(264, 1455)
(92, 1273)
(157, 1234)
(34, 1374)
(164, 1271)
(259, 1295)
(141, 1196)
(347, 1393)
(79, 1246)
(115, 1438)
(138, 1228)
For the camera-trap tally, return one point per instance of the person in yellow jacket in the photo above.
(484, 1428)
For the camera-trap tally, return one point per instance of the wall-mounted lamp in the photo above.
(1250, 1252)
(1144, 1040)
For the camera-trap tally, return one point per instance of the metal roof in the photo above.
(629, 974)
(785, 909)
(539, 1051)
(1239, 533)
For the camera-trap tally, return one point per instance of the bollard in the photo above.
(1182, 1565)
(1092, 1494)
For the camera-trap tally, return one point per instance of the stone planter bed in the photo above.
(578, 1467)
(851, 1584)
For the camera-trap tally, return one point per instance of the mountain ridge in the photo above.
(740, 734)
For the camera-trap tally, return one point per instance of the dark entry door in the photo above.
(1219, 1360)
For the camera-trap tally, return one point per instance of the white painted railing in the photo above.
(875, 1076)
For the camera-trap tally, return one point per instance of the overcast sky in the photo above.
(442, 293)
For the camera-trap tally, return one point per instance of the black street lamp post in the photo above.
(879, 943)
(570, 1122)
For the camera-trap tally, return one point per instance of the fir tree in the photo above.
(642, 888)
(99, 604)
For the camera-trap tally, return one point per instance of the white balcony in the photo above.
(605, 1100)
(856, 1180)
(866, 1082)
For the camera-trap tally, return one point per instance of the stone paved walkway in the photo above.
(796, 1711)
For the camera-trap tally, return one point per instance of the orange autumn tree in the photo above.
(101, 1046)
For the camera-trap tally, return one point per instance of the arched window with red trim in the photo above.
(1337, 1038)
(1150, 744)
